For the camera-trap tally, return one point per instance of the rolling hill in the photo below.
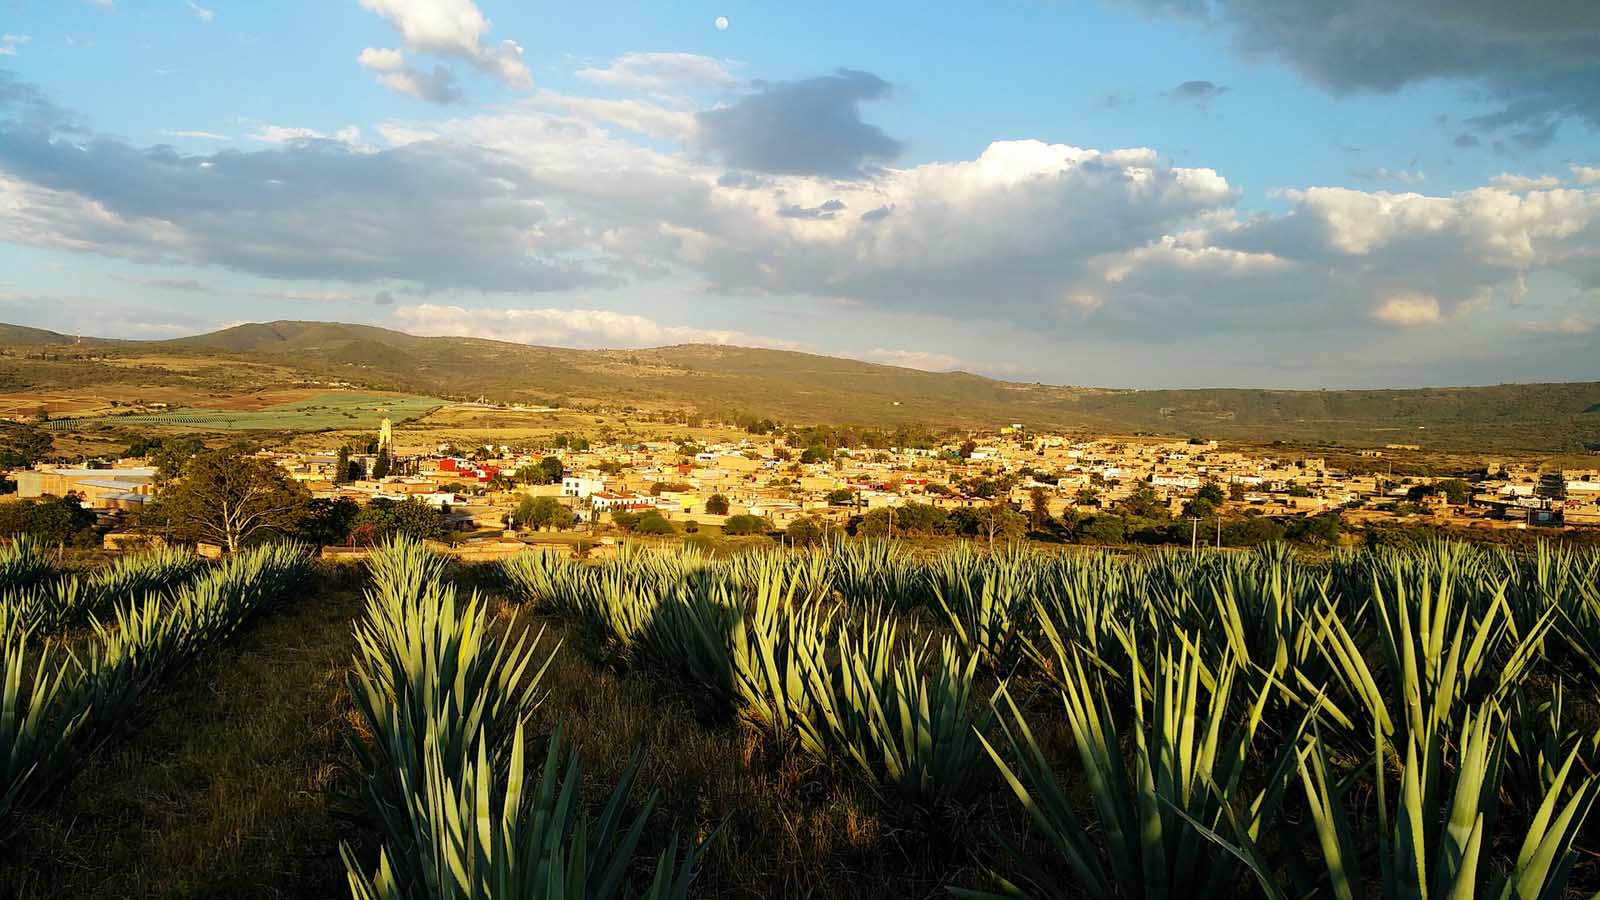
(800, 387)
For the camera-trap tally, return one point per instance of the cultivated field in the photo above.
(319, 412)
(845, 722)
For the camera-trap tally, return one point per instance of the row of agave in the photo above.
(443, 696)
(52, 604)
(58, 705)
(754, 637)
(1225, 709)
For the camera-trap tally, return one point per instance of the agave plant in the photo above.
(477, 836)
(1147, 835)
(1435, 840)
(24, 563)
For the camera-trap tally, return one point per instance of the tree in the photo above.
(384, 518)
(227, 498)
(341, 466)
(1212, 493)
(329, 521)
(804, 531)
(1086, 496)
(542, 512)
(23, 445)
(382, 465)
(1455, 490)
(1038, 509)
(651, 521)
(968, 447)
(739, 525)
(1199, 508)
(1236, 491)
(999, 522)
(54, 520)
(1103, 530)
(1144, 504)
(816, 453)
(717, 505)
(546, 471)
(841, 497)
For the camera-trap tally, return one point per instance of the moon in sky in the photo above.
(721, 23)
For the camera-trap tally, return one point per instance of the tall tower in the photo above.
(385, 436)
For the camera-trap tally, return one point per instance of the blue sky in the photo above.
(1132, 192)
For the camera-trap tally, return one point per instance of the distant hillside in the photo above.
(807, 388)
(23, 336)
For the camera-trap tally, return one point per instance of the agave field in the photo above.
(1374, 724)
(81, 654)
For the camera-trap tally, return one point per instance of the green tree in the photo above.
(717, 505)
(968, 447)
(1456, 491)
(230, 499)
(1038, 509)
(54, 520)
(1144, 504)
(740, 525)
(341, 466)
(1086, 496)
(1212, 493)
(384, 518)
(382, 465)
(841, 497)
(542, 512)
(804, 531)
(546, 471)
(328, 522)
(23, 445)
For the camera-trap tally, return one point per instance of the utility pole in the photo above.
(1194, 535)
(1219, 532)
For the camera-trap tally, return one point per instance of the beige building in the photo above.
(127, 488)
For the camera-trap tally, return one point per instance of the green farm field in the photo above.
(324, 412)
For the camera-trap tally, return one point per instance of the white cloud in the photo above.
(1401, 176)
(1571, 325)
(563, 327)
(1511, 182)
(281, 134)
(456, 29)
(10, 42)
(662, 73)
(1586, 174)
(436, 86)
(198, 135)
(926, 360)
(1408, 310)
(205, 15)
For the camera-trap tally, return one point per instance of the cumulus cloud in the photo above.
(455, 29)
(435, 86)
(1408, 310)
(810, 127)
(1586, 174)
(1059, 240)
(562, 327)
(288, 134)
(667, 74)
(1539, 60)
(1524, 183)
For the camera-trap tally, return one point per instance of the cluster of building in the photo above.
(762, 476)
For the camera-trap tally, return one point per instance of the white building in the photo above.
(581, 486)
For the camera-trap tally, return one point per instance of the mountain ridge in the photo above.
(798, 387)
